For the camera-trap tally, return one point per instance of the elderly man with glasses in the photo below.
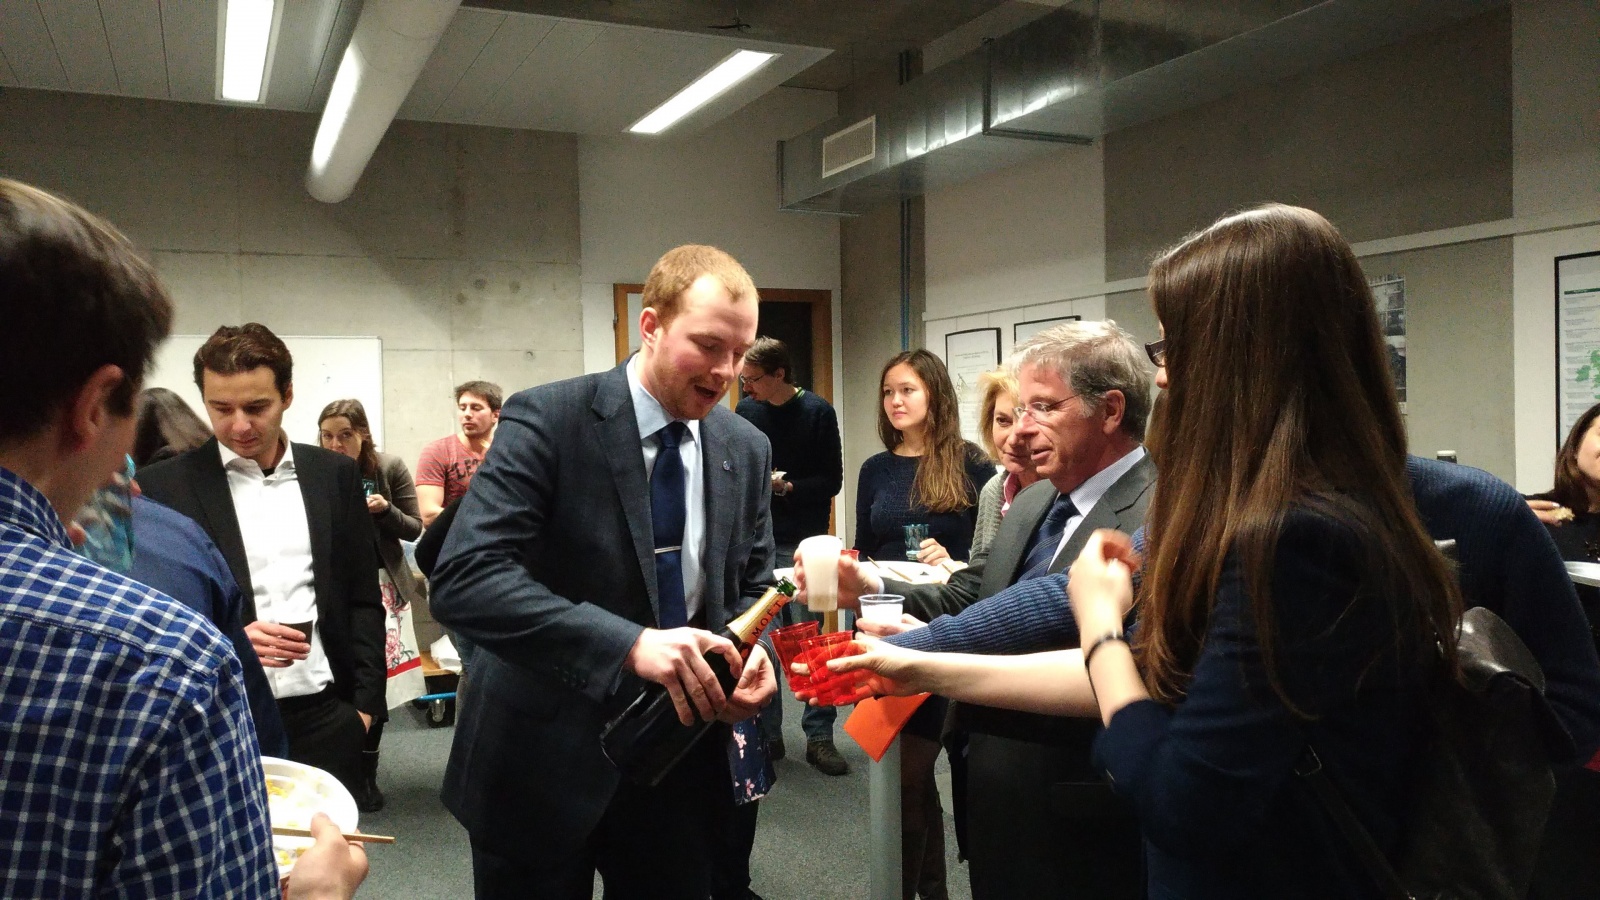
(1039, 820)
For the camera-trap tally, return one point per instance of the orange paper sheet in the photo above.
(876, 722)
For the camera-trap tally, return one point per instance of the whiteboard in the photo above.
(325, 369)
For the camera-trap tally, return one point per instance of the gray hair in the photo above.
(1094, 358)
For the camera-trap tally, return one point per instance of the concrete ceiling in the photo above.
(863, 34)
(584, 66)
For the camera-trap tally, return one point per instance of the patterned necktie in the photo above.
(667, 514)
(1048, 538)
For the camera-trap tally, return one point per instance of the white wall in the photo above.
(1007, 247)
(459, 247)
(1556, 170)
(1020, 237)
(640, 197)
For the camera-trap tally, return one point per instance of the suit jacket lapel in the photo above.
(617, 432)
(720, 499)
(319, 493)
(210, 483)
(1107, 513)
(1028, 509)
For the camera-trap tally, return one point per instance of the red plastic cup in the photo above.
(852, 553)
(829, 688)
(786, 641)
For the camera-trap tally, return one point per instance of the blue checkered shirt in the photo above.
(128, 764)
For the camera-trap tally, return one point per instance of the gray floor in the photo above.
(810, 845)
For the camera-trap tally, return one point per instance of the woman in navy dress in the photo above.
(926, 475)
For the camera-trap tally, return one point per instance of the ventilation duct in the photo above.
(392, 42)
(1079, 73)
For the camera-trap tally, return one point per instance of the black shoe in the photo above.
(775, 748)
(824, 757)
(369, 799)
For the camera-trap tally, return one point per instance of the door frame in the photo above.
(821, 330)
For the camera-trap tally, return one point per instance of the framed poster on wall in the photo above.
(968, 354)
(1389, 293)
(1577, 338)
(1024, 330)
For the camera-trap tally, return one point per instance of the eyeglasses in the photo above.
(1157, 351)
(744, 380)
(1041, 410)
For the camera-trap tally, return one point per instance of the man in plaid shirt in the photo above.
(128, 762)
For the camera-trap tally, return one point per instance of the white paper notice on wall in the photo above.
(1577, 338)
(325, 369)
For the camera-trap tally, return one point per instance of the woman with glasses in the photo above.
(1290, 596)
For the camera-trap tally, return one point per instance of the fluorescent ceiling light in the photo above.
(703, 90)
(246, 39)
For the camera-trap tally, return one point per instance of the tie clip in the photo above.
(661, 550)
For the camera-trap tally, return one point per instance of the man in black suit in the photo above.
(561, 566)
(1040, 821)
(292, 522)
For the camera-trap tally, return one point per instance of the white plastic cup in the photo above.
(820, 556)
(882, 607)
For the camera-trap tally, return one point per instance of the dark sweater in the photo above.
(805, 446)
(883, 507)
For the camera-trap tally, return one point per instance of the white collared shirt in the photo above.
(1086, 495)
(652, 417)
(277, 545)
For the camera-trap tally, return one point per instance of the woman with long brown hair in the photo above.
(392, 499)
(1290, 595)
(926, 475)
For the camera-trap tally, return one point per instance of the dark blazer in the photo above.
(1040, 822)
(344, 561)
(550, 567)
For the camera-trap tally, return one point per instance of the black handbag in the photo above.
(1482, 783)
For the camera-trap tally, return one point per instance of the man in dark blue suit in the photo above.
(556, 568)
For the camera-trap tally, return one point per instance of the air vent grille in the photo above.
(850, 147)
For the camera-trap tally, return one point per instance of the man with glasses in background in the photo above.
(807, 472)
(1039, 819)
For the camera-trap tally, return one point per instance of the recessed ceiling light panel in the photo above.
(249, 30)
(703, 90)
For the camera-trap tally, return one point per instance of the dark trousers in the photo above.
(326, 732)
(656, 843)
(1031, 834)
(730, 874)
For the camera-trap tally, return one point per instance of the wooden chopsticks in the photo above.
(356, 836)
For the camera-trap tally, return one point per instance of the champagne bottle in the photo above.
(646, 739)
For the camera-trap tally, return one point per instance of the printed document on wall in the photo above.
(1577, 337)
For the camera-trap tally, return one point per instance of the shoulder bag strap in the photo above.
(1383, 875)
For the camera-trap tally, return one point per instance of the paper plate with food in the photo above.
(295, 793)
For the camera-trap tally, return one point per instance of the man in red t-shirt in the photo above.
(447, 465)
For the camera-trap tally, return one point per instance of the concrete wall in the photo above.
(459, 248)
(870, 263)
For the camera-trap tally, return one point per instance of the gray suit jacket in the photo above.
(992, 571)
(550, 567)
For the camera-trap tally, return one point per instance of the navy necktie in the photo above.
(1048, 538)
(668, 510)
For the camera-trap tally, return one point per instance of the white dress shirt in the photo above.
(277, 545)
(652, 417)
